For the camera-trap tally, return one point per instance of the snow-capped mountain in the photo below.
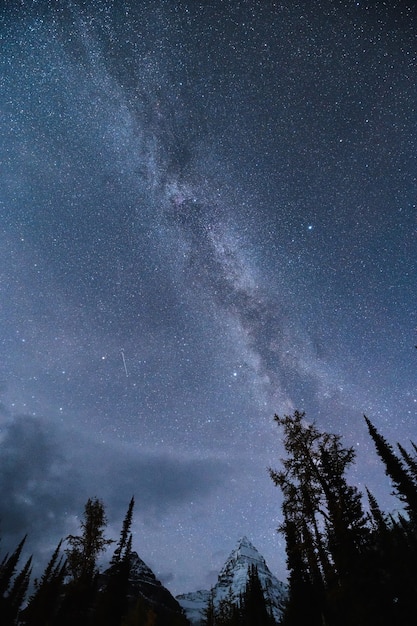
(231, 583)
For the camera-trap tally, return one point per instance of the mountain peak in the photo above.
(240, 559)
(245, 543)
(232, 581)
(246, 550)
(144, 585)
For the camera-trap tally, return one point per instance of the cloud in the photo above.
(47, 472)
(166, 577)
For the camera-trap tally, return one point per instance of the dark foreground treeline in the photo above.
(72, 592)
(251, 609)
(347, 566)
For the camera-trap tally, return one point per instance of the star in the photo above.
(160, 295)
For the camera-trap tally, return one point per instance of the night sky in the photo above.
(208, 216)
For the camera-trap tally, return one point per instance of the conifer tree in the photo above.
(13, 586)
(304, 604)
(85, 548)
(254, 610)
(120, 551)
(112, 601)
(16, 596)
(8, 568)
(324, 522)
(45, 600)
(406, 489)
(397, 542)
(82, 554)
(377, 515)
(410, 461)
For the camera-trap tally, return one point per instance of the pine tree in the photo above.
(324, 523)
(405, 488)
(82, 554)
(119, 552)
(254, 611)
(379, 521)
(112, 603)
(13, 586)
(85, 548)
(8, 568)
(17, 595)
(44, 602)
(410, 461)
(397, 541)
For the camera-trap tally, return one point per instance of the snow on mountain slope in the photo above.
(144, 584)
(232, 581)
(194, 604)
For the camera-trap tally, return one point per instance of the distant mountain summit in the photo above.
(231, 583)
(146, 592)
(143, 582)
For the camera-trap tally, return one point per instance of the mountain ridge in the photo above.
(231, 584)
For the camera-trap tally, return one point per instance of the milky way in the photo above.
(208, 215)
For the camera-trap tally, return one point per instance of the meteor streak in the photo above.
(124, 361)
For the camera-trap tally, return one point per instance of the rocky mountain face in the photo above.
(146, 590)
(231, 583)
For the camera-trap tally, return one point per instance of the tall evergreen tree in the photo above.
(112, 602)
(304, 604)
(8, 568)
(17, 594)
(82, 554)
(378, 518)
(324, 522)
(254, 609)
(405, 487)
(47, 596)
(13, 586)
(122, 544)
(84, 549)
(410, 461)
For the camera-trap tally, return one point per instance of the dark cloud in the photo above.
(36, 488)
(225, 191)
(48, 472)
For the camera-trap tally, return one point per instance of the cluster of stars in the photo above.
(208, 217)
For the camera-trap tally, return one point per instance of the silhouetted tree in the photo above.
(8, 568)
(44, 602)
(324, 523)
(85, 548)
(16, 595)
(82, 555)
(13, 586)
(405, 487)
(410, 461)
(254, 609)
(378, 518)
(112, 602)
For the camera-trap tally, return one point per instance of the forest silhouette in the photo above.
(347, 563)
